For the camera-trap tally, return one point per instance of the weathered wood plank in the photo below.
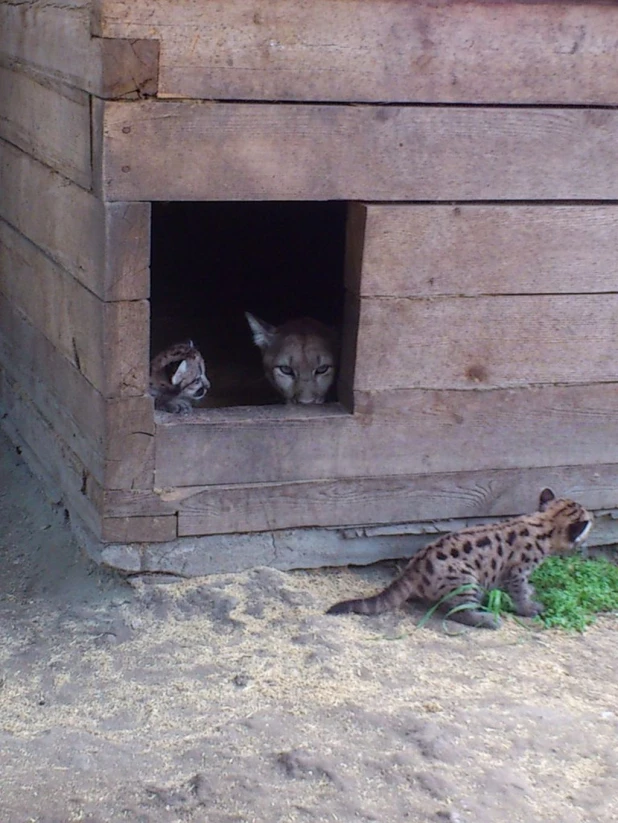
(418, 251)
(384, 50)
(105, 246)
(107, 342)
(501, 341)
(56, 387)
(138, 529)
(396, 433)
(51, 122)
(158, 150)
(49, 457)
(363, 500)
(55, 40)
(130, 443)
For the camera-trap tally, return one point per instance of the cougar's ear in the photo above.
(579, 531)
(263, 333)
(180, 372)
(545, 499)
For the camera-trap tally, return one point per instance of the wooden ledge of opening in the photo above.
(240, 415)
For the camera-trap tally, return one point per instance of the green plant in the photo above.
(573, 590)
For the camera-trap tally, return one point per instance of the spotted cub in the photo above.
(498, 555)
(178, 377)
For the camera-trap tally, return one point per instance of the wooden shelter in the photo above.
(460, 160)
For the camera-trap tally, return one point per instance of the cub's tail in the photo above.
(391, 598)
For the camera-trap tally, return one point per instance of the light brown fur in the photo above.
(497, 555)
(178, 378)
(299, 357)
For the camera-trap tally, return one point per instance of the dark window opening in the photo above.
(212, 262)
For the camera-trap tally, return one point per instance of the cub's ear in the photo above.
(263, 333)
(578, 531)
(545, 499)
(180, 372)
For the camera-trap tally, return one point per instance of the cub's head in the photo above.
(189, 376)
(299, 357)
(569, 522)
(180, 370)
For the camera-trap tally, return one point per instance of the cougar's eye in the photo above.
(323, 369)
(287, 370)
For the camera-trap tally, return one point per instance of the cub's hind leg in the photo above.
(464, 607)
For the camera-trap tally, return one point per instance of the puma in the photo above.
(299, 357)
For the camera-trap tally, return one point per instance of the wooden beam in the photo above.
(130, 443)
(104, 246)
(423, 251)
(391, 433)
(501, 341)
(382, 51)
(54, 39)
(50, 122)
(138, 529)
(157, 150)
(107, 342)
(364, 500)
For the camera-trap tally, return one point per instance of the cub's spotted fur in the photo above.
(177, 377)
(299, 357)
(498, 555)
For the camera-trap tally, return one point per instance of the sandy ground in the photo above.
(234, 698)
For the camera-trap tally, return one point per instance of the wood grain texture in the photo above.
(394, 433)
(55, 40)
(57, 388)
(501, 341)
(129, 443)
(138, 529)
(51, 122)
(264, 507)
(158, 150)
(423, 251)
(107, 342)
(364, 500)
(384, 50)
(104, 246)
(48, 455)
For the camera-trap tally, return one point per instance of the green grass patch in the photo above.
(574, 590)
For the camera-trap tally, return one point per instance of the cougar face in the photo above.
(299, 357)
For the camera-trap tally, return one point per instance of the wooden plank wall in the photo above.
(74, 271)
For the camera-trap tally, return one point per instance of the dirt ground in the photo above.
(234, 698)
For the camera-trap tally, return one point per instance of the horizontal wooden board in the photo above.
(138, 529)
(394, 433)
(50, 122)
(418, 251)
(354, 501)
(384, 50)
(55, 40)
(47, 454)
(107, 342)
(459, 343)
(105, 246)
(363, 500)
(158, 150)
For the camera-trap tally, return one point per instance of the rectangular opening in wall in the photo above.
(211, 263)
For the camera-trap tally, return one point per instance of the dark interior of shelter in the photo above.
(212, 262)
